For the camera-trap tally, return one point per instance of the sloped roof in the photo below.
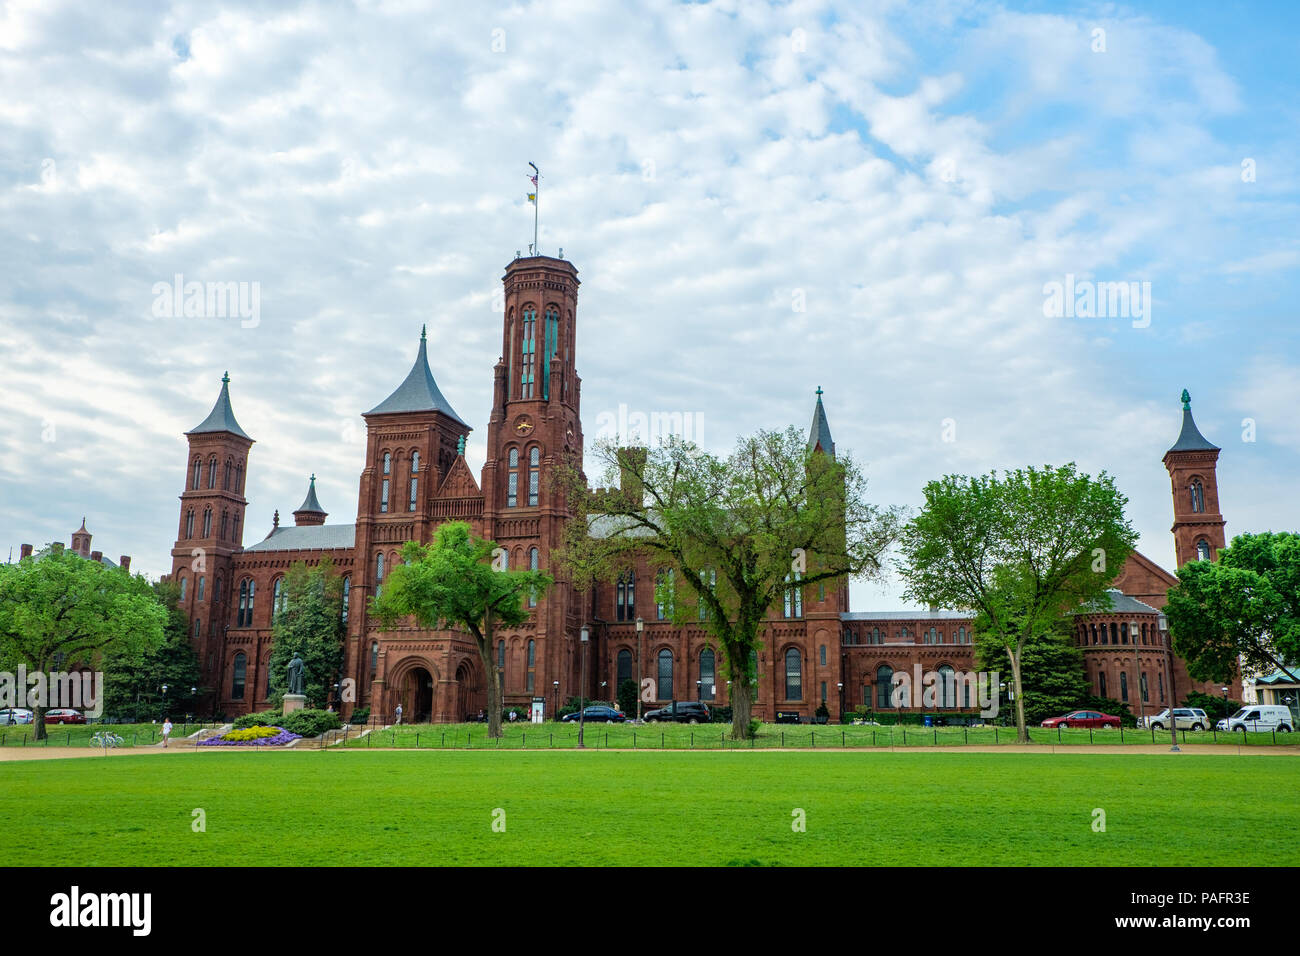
(1117, 602)
(418, 392)
(222, 416)
(1190, 438)
(940, 615)
(310, 504)
(320, 537)
(820, 432)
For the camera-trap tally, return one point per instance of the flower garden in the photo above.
(252, 737)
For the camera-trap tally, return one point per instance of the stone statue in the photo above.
(296, 676)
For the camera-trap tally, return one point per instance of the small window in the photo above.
(203, 580)
(666, 675)
(793, 675)
(347, 597)
(708, 679)
(821, 656)
(183, 583)
(238, 675)
(1202, 550)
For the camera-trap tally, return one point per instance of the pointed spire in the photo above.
(310, 512)
(222, 416)
(82, 529)
(819, 435)
(1190, 438)
(418, 392)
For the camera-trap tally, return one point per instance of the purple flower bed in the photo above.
(283, 737)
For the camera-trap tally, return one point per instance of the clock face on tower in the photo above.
(523, 426)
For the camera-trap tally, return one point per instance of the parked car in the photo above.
(64, 715)
(598, 714)
(682, 712)
(1260, 717)
(15, 715)
(1083, 718)
(1185, 718)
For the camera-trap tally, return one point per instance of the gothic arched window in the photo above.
(189, 523)
(884, 686)
(665, 584)
(207, 522)
(534, 562)
(183, 582)
(1197, 492)
(947, 687)
(624, 671)
(512, 479)
(212, 472)
(534, 462)
(238, 675)
(793, 604)
(708, 677)
(347, 597)
(625, 597)
(528, 352)
(196, 477)
(793, 675)
(666, 675)
(225, 478)
(1202, 550)
(415, 479)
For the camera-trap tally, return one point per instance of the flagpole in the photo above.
(537, 200)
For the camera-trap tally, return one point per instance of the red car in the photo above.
(1083, 718)
(64, 716)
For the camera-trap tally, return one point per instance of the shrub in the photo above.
(251, 733)
(627, 696)
(310, 723)
(720, 715)
(753, 727)
(360, 715)
(267, 718)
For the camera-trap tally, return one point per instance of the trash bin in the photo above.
(929, 720)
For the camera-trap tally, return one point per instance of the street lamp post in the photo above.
(640, 628)
(164, 700)
(583, 636)
(556, 685)
(839, 691)
(1226, 715)
(1137, 660)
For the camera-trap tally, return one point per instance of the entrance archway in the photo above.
(471, 693)
(418, 694)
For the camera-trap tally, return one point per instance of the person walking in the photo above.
(166, 730)
(398, 713)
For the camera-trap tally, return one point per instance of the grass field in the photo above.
(407, 808)
(78, 735)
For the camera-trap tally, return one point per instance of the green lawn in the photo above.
(78, 735)
(903, 808)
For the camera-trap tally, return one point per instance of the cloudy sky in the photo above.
(761, 199)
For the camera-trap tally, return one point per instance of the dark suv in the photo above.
(681, 711)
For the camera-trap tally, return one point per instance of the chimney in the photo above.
(631, 464)
(24, 551)
(125, 562)
(97, 556)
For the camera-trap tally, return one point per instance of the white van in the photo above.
(1260, 717)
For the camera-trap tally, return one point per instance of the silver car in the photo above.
(1185, 718)
(15, 715)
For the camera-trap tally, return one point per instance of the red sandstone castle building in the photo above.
(415, 477)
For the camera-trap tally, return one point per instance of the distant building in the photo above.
(80, 544)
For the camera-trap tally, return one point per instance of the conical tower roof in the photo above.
(222, 416)
(419, 392)
(819, 435)
(1190, 438)
(310, 504)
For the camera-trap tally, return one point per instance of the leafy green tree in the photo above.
(134, 676)
(1244, 606)
(1051, 669)
(309, 623)
(627, 694)
(1020, 550)
(740, 535)
(1216, 708)
(452, 584)
(58, 611)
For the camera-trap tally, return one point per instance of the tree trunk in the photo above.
(1022, 734)
(742, 710)
(38, 722)
(493, 680)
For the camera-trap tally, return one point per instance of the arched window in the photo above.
(1123, 633)
(664, 589)
(1101, 683)
(1197, 493)
(707, 674)
(183, 583)
(203, 580)
(238, 675)
(379, 569)
(947, 687)
(347, 597)
(666, 675)
(234, 531)
(196, 476)
(875, 635)
(534, 564)
(207, 522)
(1143, 681)
(278, 597)
(198, 627)
(216, 591)
(1202, 550)
(793, 675)
(552, 333)
(383, 485)
(512, 479)
(625, 597)
(225, 523)
(225, 478)
(212, 472)
(793, 604)
(532, 663)
(709, 580)
(624, 671)
(243, 603)
(534, 463)
(239, 479)
(884, 687)
(501, 663)
(528, 351)
(415, 479)
(189, 523)
(374, 659)
(1123, 686)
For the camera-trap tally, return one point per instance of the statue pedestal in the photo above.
(294, 702)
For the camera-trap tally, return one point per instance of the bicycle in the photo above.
(106, 741)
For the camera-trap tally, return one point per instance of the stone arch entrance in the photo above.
(471, 691)
(419, 692)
